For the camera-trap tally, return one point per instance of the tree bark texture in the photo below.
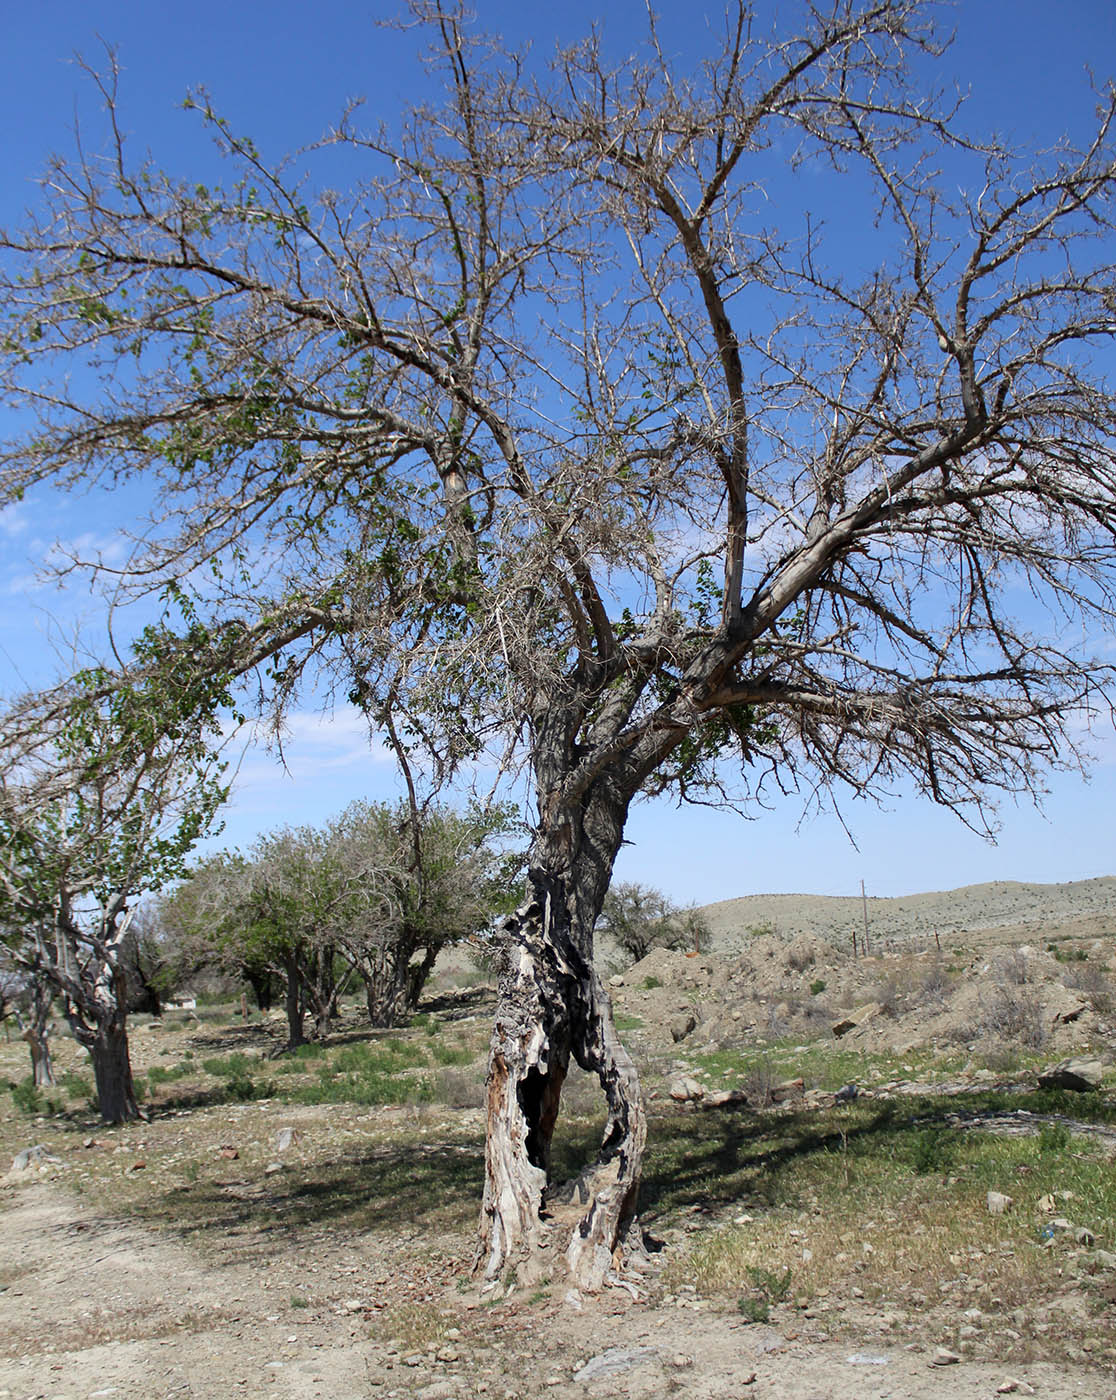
(553, 1006)
(112, 1071)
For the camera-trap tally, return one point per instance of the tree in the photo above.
(98, 806)
(416, 880)
(551, 428)
(638, 918)
(377, 893)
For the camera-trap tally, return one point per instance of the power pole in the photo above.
(864, 907)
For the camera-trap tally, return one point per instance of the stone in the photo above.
(1084, 1236)
(726, 1098)
(943, 1357)
(788, 1089)
(1079, 1075)
(855, 1019)
(437, 1390)
(272, 1168)
(1101, 1259)
(616, 980)
(681, 1027)
(613, 1362)
(998, 1203)
(284, 1138)
(686, 1090)
(35, 1156)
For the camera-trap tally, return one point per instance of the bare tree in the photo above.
(550, 428)
(638, 918)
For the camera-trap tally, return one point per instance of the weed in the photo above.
(28, 1097)
(754, 1309)
(298, 1301)
(932, 1150)
(767, 1288)
(1053, 1137)
(77, 1086)
(650, 983)
(627, 1023)
(817, 986)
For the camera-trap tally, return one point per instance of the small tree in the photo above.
(638, 918)
(98, 805)
(417, 880)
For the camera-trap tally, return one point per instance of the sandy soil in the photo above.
(97, 1307)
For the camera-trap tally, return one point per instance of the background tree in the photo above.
(416, 882)
(566, 422)
(638, 918)
(96, 808)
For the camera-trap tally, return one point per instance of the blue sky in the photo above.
(282, 72)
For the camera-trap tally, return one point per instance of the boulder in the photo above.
(682, 1025)
(1080, 1075)
(686, 1090)
(855, 1019)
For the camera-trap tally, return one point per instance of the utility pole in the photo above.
(864, 907)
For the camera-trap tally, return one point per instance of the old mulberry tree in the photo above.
(567, 423)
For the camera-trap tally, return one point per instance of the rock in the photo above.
(1080, 1075)
(230, 1153)
(846, 1094)
(35, 1156)
(680, 1361)
(686, 1090)
(865, 1358)
(573, 1300)
(855, 1019)
(998, 1203)
(788, 1089)
(437, 1390)
(681, 1027)
(616, 980)
(724, 1098)
(1101, 1259)
(613, 1362)
(1084, 1236)
(284, 1138)
(943, 1357)
(448, 1354)
(272, 1168)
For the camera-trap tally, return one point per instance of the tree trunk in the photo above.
(553, 1005)
(42, 1066)
(37, 1032)
(295, 1004)
(112, 1070)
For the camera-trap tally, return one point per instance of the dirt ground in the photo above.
(95, 1306)
(109, 1286)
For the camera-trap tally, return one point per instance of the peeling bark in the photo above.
(553, 1006)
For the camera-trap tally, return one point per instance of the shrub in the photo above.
(1013, 1015)
(932, 1150)
(817, 986)
(1053, 1138)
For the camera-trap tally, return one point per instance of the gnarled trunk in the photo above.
(553, 1006)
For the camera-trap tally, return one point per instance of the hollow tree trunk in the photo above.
(553, 1006)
